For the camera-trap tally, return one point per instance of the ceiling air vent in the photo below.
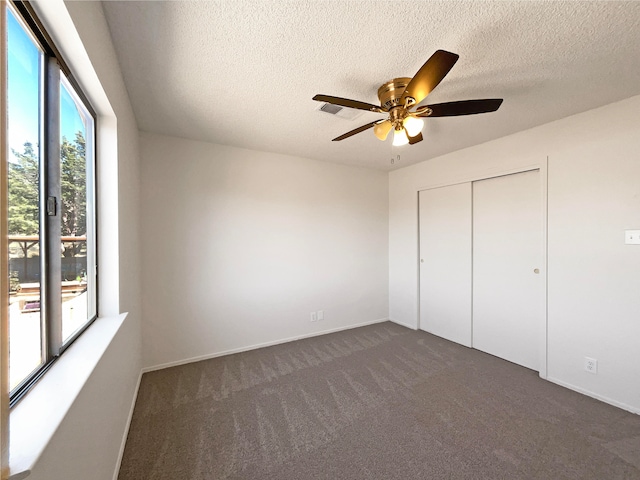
(338, 111)
(332, 109)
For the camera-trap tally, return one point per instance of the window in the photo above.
(51, 208)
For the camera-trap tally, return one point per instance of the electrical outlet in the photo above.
(591, 365)
(314, 316)
(632, 237)
(320, 315)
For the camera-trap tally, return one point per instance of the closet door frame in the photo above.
(542, 168)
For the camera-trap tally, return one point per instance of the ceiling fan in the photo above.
(400, 95)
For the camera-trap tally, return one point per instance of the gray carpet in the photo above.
(378, 402)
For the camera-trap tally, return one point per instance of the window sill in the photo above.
(35, 419)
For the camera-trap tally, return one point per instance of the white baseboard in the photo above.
(126, 428)
(402, 324)
(258, 345)
(602, 398)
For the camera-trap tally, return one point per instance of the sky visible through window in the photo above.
(23, 92)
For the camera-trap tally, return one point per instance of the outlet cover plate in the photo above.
(591, 365)
(632, 237)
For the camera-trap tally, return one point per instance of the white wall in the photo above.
(240, 246)
(593, 281)
(87, 443)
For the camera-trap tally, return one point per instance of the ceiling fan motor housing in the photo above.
(390, 94)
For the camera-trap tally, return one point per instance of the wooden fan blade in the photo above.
(430, 75)
(463, 107)
(416, 139)
(345, 102)
(357, 130)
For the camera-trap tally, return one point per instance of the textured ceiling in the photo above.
(243, 72)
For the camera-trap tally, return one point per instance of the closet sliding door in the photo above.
(445, 262)
(507, 256)
(481, 279)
